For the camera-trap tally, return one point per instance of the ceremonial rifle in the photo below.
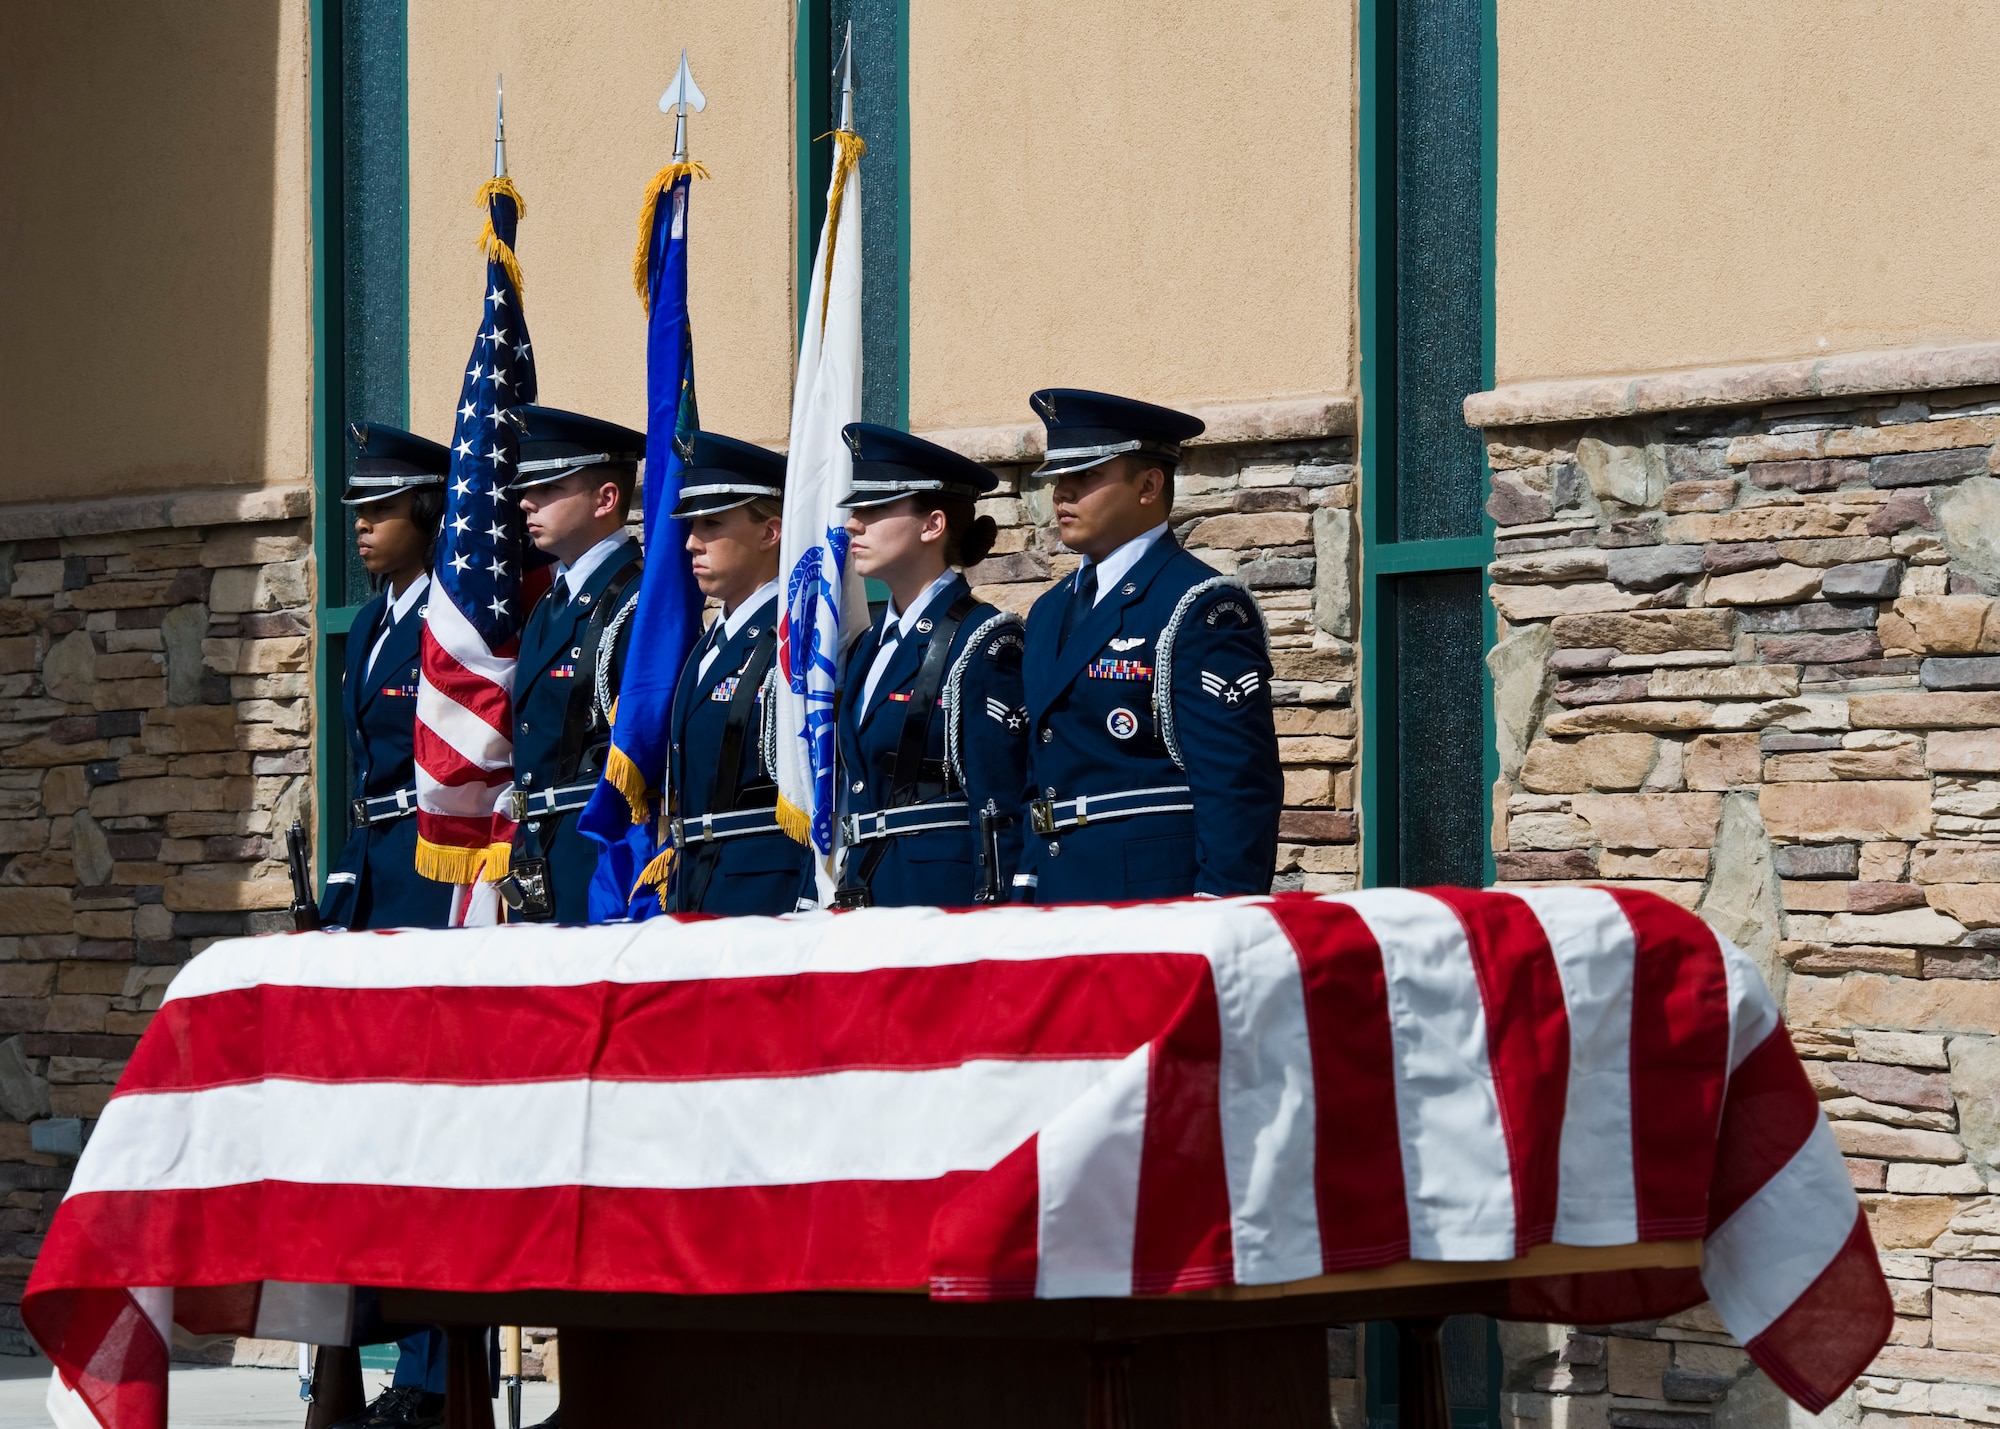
(305, 907)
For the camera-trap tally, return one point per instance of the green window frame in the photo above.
(1424, 548)
(882, 115)
(361, 337)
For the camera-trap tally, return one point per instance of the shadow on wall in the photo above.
(138, 159)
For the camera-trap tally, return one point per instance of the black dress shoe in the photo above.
(401, 1406)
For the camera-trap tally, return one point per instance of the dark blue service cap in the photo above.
(388, 460)
(889, 465)
(720, 473)
(555, 443)
(1087, 429)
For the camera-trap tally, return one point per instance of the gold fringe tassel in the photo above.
(655, 876)
(796, 822)
(851, 150)
(642, 260)
(624, 776)
(443, 864)
(489, 241)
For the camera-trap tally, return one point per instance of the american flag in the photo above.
(472, 632)
(1011, 1103)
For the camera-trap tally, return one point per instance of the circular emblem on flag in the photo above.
(1122, 723)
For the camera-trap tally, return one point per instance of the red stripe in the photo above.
(1527, 1046)
(452, 831)
(1181, 1240)
(731, 1240)
(1358, 1168)
(1827, 1338)
(1768, 1114)
(443, 761)
(1680, 1063)
(475, 692)
(108, 1351)
(985, 1242)
(906, 1018)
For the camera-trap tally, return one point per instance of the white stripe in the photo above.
(662, 950)
(1269, 1130)
(1779, 1241)
(470, 737)
(1753, 1013)
(1087, 1197)
(461, 640)
(473, 799)
(680, 1135)
(1456, 1180)
(1597, 1202)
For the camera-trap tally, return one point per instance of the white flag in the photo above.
(825, 604)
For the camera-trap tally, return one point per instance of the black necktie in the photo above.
(1080, 601)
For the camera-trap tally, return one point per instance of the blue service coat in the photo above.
(942, 867)
(374, 883)
(551, 667)
(757, 873)
(1094, 729)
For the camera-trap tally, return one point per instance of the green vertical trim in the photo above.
(329, 557)
(1383, 558)
(1376, 421)
(403, 90)
(903, 157)
(812, 145)
(1489, 206)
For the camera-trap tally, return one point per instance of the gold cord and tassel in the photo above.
(642, 260)
(851, 149)
(489, 241)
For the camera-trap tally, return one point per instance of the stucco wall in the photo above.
(155, 294)
(1152, 199)
(584, 135)
(1693, 182)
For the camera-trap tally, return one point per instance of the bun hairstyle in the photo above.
(968, 538)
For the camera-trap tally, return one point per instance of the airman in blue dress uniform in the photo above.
(931, 726)
(1153, 758)
(397, 495)
(732, 855)
(574, 480)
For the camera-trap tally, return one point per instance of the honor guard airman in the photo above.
(931, 727)
(574, 480)
(732, 855)
(1153, 759)
(397, 496)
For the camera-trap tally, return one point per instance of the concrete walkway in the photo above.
(204, 1397)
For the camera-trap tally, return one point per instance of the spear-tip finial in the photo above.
(499, 129)
(844, 74)
(682, 95)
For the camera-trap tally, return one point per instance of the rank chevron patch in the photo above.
(1231, 692)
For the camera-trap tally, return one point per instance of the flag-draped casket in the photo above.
(1014, 1103)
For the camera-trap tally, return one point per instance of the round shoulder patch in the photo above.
(1232, 609)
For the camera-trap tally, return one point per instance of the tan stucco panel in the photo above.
(584, 135)
(155, 278)
(1689, 181)
(1150, 198)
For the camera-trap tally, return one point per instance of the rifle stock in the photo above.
(305, 905)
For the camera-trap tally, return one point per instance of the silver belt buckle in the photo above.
(1042, 816)
(359, 810)
(520, 803)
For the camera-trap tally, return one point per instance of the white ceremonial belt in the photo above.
(384, 808)
(1052, 816)
(544, 803)
(909, 819)
(708, 828)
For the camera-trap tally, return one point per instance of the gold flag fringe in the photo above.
(656, 876)
(641, 261)
(851, 150)
(796, 822)
(489, 241)
(624, 776)
(462, 865)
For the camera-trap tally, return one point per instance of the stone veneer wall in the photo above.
(155, 729)
(1750, 660)
(1278, 515)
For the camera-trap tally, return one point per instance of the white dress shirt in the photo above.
(1113, 567)
(574, 578)
(904, 623)
(734, 622)
(397, 607)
